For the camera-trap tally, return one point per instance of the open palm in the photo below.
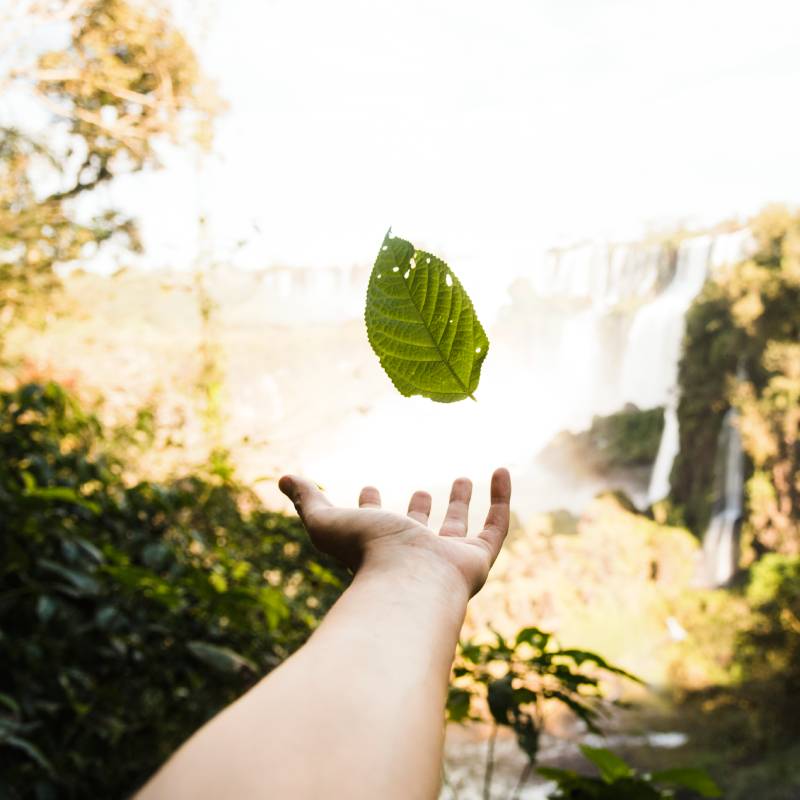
(355, 534)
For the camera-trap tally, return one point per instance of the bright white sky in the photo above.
(487, 130)
(483, 131)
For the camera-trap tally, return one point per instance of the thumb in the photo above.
(305, 495)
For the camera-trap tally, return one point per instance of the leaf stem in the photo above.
(487, 776)
(523, 779)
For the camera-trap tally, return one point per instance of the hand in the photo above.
(370, 536)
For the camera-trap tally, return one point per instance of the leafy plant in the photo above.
(514, 679)
(422, 325)
(124, 78)
(619, 781)
(129, 613)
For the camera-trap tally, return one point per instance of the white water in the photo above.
(651, 361)
(667, 450)
(720, 550)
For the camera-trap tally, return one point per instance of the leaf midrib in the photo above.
(438, 349)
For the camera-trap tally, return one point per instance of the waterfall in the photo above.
(651, 360)
(601, 325)
(667, 450)
(616, 317)
(720, 550)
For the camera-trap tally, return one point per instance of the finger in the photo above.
(455, 521)
(419, 507)
(496, 526)
(370, 497)
(305, 495)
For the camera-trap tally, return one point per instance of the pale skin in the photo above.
(357, 712)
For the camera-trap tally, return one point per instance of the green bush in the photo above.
(629, 438)
(768, 654)
(619, 781)
(129, 613)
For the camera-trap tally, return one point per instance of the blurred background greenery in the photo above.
(149, 574)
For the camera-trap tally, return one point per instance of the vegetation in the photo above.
(516, 679)
(130, 612)
(742, 351)
(422, 325)
(619, 781)
(628, 438)
(125, 80)
(757, 657)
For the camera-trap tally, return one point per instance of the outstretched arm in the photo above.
(357, 711)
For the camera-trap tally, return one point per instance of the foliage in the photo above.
(767, 661)
(628, 438)
(514, 679)
(742, 350)
(746, 643)
(619, 781)
(422, 325)
(129, 614)
(125, 79)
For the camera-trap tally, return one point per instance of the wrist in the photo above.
(416, 575)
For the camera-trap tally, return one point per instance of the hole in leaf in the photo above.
(412, 263)
(477, 349)
(379, 274)
(385, 247)
(448, 279)
(406, 274)
(395, 269)
(428, 260)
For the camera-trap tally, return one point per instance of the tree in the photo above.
(125, 80)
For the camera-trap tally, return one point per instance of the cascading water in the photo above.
(651, 361)
(720, 550)
(610, 321)
(600, 326)
(667, 450)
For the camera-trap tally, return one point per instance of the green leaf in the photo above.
(30, 749)
(580, 709)
(524, 695)
(554, 774)
(81, 582)
(581, 656)
(422, 325)
(501, 700)
(46, 607)
(527, 735)
(698, 780)
(458, 703)
(222, 659)
(611, 766)
(62, 494)
(9, 702)
(534, 637)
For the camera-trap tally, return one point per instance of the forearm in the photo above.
(356, 713)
